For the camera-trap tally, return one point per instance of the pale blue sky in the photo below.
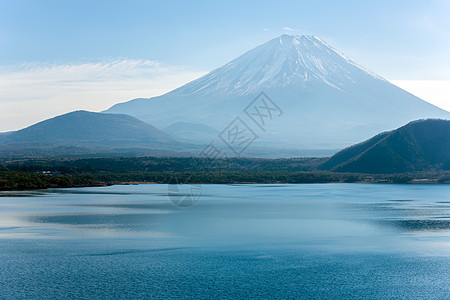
(404, 41)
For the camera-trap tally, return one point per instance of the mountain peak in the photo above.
(288, 60)
(296, 38)
(328, 100)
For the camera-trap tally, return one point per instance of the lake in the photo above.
(237, 241)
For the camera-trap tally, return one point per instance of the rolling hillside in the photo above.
(422, 145)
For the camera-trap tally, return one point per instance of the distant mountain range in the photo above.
(88, 132)
(83, 133)
(328, 101)
(422, 145)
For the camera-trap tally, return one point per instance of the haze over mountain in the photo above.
(191, 132)
(88, 130)
(422, 145)
(328, 100)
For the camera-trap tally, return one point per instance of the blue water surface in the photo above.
(305, 241)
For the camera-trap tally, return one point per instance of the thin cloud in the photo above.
(287, 29)
(35, 91)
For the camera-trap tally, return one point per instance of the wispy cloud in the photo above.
(287, 29)
(34, 91)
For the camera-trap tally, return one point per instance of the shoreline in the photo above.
(414, 182)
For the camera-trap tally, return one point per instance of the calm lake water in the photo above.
(238, 241)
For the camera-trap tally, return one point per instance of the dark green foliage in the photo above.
(444, 179)
(418, 146)
(352, 178)
(26, 180)
(23, 174)
(400, 179)
(161, 164)
(220, 178)
(183, 170)
(350, 152)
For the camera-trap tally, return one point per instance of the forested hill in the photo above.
(422, 145)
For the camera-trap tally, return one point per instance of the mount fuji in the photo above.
(328, 101)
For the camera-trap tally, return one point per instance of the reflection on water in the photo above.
(254, 213)
(274, 240)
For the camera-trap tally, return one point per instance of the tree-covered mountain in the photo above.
(422, 145)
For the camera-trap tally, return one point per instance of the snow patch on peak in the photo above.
(289, 60)
(346, 58)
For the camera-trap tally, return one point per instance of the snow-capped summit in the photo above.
(281, 62)
(329, 101)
